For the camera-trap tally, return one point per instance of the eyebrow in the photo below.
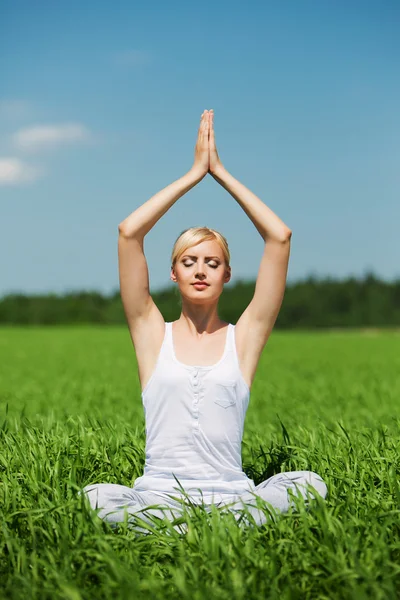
(191, 256)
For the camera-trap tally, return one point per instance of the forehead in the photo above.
(206, 248)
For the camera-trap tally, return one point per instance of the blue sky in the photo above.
(99, 109)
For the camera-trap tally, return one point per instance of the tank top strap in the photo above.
(168, 335)
(232, 343)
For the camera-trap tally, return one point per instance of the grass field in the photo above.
(71, 414)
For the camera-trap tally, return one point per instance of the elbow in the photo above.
(280, 237)
(125, 233)
(122, 230)
(285, 236)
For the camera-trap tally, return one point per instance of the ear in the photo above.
(228, 275)
(172, 275)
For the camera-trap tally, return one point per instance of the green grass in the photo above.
(326, 402)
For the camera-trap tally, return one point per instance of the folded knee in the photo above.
(93, 494)
(318, 483)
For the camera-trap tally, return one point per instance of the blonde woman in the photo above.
(196, 372)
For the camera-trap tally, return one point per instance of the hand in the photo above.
(214, 162)
(201, 153)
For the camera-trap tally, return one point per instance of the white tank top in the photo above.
(194, 425)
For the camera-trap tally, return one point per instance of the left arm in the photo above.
(257, 321)
(264, 307)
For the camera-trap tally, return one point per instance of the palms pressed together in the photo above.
(206, 155)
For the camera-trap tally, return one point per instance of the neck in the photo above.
(200, 318)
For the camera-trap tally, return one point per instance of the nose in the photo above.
(200, 270)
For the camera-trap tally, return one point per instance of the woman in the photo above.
(196, 373)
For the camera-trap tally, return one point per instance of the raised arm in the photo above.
(133, 271)
(256, 323)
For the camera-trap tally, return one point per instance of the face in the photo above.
(202, 264)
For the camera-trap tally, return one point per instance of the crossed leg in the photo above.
(274, 490)
(115, 501)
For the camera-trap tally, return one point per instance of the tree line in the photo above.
(309, 303)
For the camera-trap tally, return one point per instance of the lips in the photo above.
(201, 285)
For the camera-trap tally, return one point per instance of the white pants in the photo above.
(114, 500)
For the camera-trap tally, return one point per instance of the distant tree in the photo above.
(309, 303)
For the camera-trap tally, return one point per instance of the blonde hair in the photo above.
(195, 235)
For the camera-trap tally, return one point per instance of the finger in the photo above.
(212, 134)
(204, 126)
(201, 122)
(201, 118)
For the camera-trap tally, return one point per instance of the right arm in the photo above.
(145, 321)
(133, 271)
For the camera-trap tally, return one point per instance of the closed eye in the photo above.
(191, 264)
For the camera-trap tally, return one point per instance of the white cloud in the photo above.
(48, 136)
(15, 172)
(131, 58)
(14, 109)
